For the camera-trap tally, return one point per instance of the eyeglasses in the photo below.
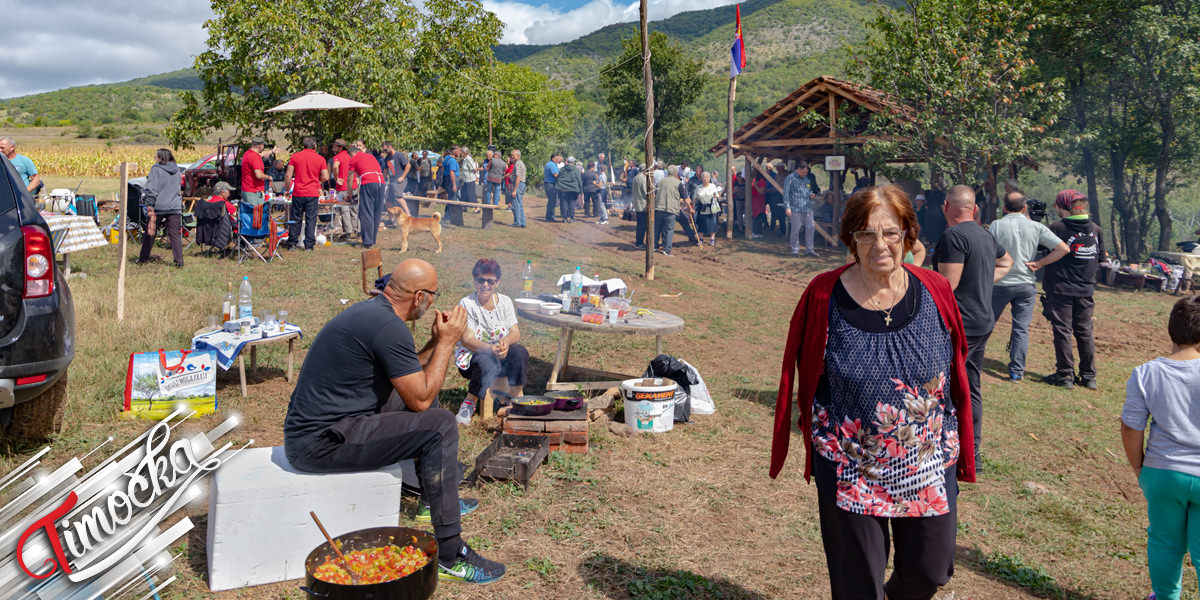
(486, 281)
(433, 293)
(870, 236)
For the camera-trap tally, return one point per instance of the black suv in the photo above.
(37, 318)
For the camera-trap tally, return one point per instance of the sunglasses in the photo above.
(486, 281)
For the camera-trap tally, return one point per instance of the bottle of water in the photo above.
(577, 283)
(527, 280)
(245, 307)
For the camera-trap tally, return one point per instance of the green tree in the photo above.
(677, 84)
(146, 386)
(400, 56)
(970, 96)
(528, 114)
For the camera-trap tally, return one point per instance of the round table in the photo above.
(657, 324)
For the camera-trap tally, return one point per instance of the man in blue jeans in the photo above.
(1021, 237)
(517, 204)
(550, 184)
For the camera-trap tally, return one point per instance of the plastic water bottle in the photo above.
(245, 307)
(577, 283)
(527, 280)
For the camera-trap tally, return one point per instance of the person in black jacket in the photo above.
(1069, 285)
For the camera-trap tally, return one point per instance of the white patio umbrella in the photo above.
(317, 100)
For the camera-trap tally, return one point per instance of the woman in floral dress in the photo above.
(877, 350)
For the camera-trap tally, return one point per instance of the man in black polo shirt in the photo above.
(972, 261)
(339, 418)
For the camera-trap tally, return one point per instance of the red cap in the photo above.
(1066, 198)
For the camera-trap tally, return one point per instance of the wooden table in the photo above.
(658, 325)
(253, 345)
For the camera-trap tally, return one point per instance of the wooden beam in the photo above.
(832, 115)
(767, 175)
(747, 219)
(774, 116)
(809, 142)
(792, 120)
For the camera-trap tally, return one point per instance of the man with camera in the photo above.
(1021, 234)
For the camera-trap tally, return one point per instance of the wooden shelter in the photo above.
(782, 131)
(786, 131)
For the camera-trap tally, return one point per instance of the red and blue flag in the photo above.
(738, 52)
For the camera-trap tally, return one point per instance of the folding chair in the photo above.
(371, 259)
(251, 238)
(214, 229)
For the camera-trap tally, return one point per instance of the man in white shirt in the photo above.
(1021, 237)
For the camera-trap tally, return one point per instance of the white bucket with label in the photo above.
(649, 404)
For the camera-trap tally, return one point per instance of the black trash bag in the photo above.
(669, 367)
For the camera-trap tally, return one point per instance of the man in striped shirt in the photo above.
(797, 200)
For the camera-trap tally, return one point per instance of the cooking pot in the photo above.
(566, 400)
(418, 585)
(524, 406)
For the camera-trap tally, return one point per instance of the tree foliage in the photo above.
(973, 94)
(677, 83)
(400, 59)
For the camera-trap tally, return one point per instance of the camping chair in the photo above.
(214, 228)
(250, 238)
(371, 259)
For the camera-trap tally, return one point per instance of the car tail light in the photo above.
(39, 262)
(31, 379)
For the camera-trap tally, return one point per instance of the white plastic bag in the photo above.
(702, 401)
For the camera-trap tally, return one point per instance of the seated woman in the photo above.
(488, 348)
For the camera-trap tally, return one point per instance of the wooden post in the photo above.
(835, 184)
(121, 222)
(489, 124)
(729, 166)
(747, 216)
(650, 183)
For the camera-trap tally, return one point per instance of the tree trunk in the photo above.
(1162, 165)
(647, 76)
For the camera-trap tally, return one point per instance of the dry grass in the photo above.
(692, 513)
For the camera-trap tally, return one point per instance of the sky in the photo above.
(53, 44)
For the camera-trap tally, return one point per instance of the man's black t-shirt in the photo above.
(1075, 274)
(974, 247)
(589, 182)
(349, 367)
(395, 166)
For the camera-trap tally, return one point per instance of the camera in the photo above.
(1036, 208)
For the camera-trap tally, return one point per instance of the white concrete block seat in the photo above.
(259, 530)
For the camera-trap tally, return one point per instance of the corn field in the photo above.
(95, 160)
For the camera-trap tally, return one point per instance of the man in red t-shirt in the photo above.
(307, 170)
(345, 216)
(253, 176)
(370, 191)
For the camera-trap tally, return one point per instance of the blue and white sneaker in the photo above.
(466, 506)
(470, 567)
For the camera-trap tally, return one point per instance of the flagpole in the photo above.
(730, 179)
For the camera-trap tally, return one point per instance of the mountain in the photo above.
(147, 99)
(788, 42)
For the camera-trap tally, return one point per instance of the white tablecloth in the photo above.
(81, 232)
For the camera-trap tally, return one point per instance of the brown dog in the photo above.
(409, 224)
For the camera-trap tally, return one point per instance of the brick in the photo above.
(555, 438)
(565, 426)
(575, 437)
(574, 448)
(515, 426)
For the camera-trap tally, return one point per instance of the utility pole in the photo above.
(650, 184)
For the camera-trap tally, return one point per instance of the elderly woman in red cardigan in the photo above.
(877, 351)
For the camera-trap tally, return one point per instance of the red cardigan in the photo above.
(805, 354)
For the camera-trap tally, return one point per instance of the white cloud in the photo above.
(52, 44)
(542, 24)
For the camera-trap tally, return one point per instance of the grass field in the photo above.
(691, 513)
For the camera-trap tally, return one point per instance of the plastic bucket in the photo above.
(649, 404)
